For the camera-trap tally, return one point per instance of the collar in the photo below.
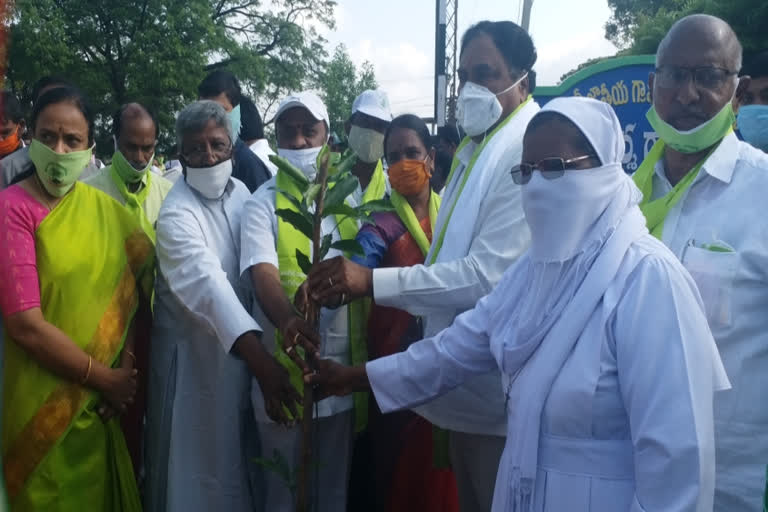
(720, 164)
(464, 155)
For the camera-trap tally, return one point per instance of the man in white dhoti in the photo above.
(704, 191)
(608, 365)
(205, 344)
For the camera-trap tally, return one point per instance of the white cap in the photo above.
(374, 103)
(309, 101)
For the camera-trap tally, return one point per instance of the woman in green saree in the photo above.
(72, 269)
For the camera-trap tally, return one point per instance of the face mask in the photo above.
(58, 172)
(9, 144)
(477, 108)
(753, 125)
(409, 177)
(304, 159)
(560, 212)
(234, 120)
(125, 169)
(697, 139)
(210, 181)
(367, 144)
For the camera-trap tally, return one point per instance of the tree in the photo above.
(638, 26)
(340, 83)
(157, 51)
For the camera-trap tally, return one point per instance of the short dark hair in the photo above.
(49, 81)
(410, 122)
(514, 44)
(450, 133)
(756, 65)
(251, 125)
(10, 108)
(220, 81)
(579, 140)
(65, 94)
(117, 119)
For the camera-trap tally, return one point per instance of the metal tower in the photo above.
(446, 60)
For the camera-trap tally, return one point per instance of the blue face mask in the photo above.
(234, 119)
(753, 125)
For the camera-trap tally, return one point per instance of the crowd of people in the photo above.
(540, 331)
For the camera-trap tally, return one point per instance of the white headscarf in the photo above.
(582, 224)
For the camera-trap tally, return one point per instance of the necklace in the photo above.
(43, 192)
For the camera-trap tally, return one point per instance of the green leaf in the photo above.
(311, 194)
(298, 220)
(378, 205)
(291, 171)
(346, 164)
(340, 209)
(290, 197)
(325, 246)
(341, 190)
(303, 261)
(348, 246)
(367, 219)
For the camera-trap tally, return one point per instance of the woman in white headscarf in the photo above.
(609, 367)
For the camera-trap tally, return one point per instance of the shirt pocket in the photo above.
(714, 273)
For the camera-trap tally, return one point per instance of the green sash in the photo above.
(656, 210)
(470, 167)
(377, 188)
(135, 202)
(91, 254)
(291, 276)
(405, 212)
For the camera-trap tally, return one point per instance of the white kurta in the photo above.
(199, 419)
(627, 425)
(723, 208)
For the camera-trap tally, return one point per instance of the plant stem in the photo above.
(303, 490)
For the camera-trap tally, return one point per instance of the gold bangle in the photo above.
(88, 372)
(133, 356)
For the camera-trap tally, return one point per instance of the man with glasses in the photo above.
(206, 346)
(703, 192)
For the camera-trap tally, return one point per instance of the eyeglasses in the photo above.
(197, 154)
(550, 168)
(710, 78)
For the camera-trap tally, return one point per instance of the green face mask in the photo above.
(127, 172)
(698, 139)
(58, 172)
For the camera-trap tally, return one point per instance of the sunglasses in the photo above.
(550, 168)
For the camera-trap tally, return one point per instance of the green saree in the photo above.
(92, 257)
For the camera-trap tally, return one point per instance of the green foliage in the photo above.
(280, 467)
(340, 83)
(157, 51)
(348, 246)
(637, 26)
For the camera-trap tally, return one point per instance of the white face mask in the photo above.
(561, 212)
(210, 181)
(367, 144)
(477, 108)
(304, 159)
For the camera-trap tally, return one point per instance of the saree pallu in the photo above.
(406, 479)
(58, 455)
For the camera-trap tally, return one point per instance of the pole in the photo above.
(526, 21)
(440, 78)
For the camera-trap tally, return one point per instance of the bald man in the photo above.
(128, 179)
(703, 193)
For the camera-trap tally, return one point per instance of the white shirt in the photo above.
(259, 245)
(441, 291)
(262, 150)
(627, 425)
(198, 412)
(723, 207)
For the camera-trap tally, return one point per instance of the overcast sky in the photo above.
(398, 37)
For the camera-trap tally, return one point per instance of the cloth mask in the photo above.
(235, 121)
(409, 177)
(753, 125)
(304, 159)
(58, 172)
(125, 169)
(211, 182)
(561, 212)
(477, 108)
(367, 144)
(9, 144)
(696, 139)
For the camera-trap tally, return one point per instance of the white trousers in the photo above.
(332, 450)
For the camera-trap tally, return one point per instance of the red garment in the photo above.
(406, 479)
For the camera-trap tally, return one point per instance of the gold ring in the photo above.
(295, 338)
(289, 350)
(330, 280)
(343, 298)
